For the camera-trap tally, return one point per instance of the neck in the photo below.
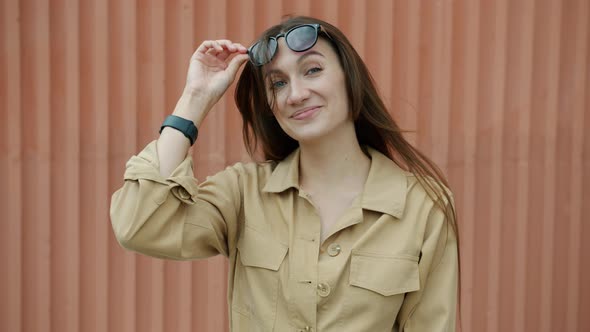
(335, 162)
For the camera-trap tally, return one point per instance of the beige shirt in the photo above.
(388, 264)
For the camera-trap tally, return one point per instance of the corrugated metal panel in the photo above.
(497, 92)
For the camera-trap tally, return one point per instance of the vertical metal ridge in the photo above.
(518, 96)
(424, 103)
(526, 62)
(11, 164)
(551, 86)
(94, 189)
(35, 96)
(497, 103)
(381, 63)
(576, 169)
(102, 143)
(509, 165)
(584, 273)
(573, 67)
(63, 124)
(92, 277)
(439, 112)
(485, 229)
(542, 184)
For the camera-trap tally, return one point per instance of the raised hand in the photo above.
(213, 67)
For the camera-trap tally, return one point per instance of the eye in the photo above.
(277, 84)
(313, 70)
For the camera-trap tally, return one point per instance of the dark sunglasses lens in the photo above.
(262, 52)
(302, 38)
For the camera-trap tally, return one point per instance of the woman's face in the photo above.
(310, 92)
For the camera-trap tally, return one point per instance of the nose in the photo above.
(298, 92)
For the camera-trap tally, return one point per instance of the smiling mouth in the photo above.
(305, 113)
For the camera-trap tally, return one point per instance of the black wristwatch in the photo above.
(185, 126)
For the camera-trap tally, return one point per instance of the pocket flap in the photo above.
(260, 250)
(386, 275)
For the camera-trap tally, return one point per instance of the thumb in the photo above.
(235, 63)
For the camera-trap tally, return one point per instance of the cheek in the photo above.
(276, 103)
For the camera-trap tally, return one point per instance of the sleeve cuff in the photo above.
(145, 166)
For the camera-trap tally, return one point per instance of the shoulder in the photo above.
(389, 174)
(252, 169)
(426, 184)
(429, 191)
(246, 173)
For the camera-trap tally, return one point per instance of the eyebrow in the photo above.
(301, 58)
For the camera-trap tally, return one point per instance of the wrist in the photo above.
(186, 127)
(193, 107)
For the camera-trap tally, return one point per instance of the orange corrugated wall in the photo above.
(496, 91)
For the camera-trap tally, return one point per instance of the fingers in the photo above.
(222, 47)
(236, 62)
(232, 47)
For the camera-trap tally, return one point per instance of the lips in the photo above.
(305, 112)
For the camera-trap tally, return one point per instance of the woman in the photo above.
(345, 227)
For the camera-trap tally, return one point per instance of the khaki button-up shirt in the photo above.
(388, 264)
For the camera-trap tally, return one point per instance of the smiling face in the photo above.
(310, 100)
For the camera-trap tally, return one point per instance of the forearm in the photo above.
(213, 67)
(172, 144)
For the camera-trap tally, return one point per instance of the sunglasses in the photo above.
(299, 38)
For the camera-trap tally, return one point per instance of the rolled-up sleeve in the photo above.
(433, 307)
(175, 217)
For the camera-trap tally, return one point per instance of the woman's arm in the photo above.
(160, 210)
(433, 307)
(175, 217)
(212, 69)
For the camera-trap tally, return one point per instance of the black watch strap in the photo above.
(185, 126)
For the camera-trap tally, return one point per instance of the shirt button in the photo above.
(334, 249)
(183, 193)
(323, 289)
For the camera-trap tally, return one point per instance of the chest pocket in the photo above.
(385, 275)
(260, 250)
(256, 282)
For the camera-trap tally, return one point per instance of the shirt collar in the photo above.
(386, 186)
(385, 189)
(285, 175)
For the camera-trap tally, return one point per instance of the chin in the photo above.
(310, 136)
(313, 132)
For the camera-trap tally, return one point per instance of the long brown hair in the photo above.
(373, 124)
